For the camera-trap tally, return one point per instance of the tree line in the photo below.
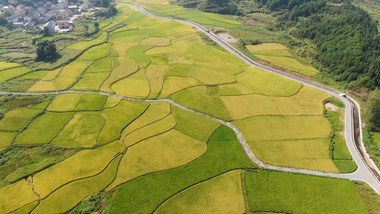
(346, 38)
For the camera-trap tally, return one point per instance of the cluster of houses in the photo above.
(55, 17)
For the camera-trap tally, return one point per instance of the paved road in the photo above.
(362, 174)
(367, 170)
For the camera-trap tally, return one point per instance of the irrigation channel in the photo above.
(367, 170)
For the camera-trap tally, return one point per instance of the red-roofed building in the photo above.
(63, 24)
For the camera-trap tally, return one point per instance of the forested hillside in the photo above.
(214, 6)
(345, 36)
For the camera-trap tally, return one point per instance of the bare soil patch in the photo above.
(331, 107)
(227, 37)
(249, 21)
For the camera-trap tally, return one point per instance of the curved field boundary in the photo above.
(362, 174)
(357, 175)
(366, 170)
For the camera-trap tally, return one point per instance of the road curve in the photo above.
(367, 171)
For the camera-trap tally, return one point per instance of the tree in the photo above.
(3, 21)
(46, 31)
(111, 9)
(46, 50)
(372, 110)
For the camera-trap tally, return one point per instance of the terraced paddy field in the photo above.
(125, 148)
(280, 56)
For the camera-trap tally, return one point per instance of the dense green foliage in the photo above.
(338, 149)
(214, 6)
(372, 110)
(101, 3)
(89, 205)
(46, 50)
(346, 38)
(372, 147)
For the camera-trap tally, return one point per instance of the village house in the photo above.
(17, 24)
(63, 24)
(62, 4)
(29, 25)
(64, 14)
(50, 26)
(87, 6)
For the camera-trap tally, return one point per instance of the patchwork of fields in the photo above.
(146, 155)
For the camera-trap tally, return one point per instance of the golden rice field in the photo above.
(279, 55)
(146, 155)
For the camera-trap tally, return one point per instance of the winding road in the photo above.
(367, 170)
